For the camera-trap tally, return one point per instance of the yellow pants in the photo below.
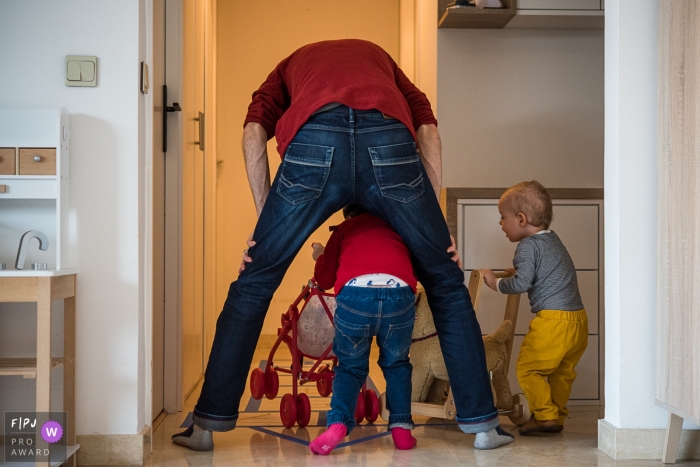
(549, 353)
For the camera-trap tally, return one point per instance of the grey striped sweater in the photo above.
(545, 271)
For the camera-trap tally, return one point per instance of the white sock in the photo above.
(195, 438)
(492, 439)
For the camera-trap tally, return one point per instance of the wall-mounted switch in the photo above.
(73, 70)
(81, 70)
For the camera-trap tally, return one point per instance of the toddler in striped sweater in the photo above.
(558, 335)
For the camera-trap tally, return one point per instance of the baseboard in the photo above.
(624, 443)
(115, 449)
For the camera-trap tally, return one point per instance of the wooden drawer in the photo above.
(45, 165)
(577, 227)
(484, 245)
(7, 161)
(12, 188)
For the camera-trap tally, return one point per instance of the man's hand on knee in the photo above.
(246, 258)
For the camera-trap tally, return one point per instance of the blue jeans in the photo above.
(364, 312)
(339, 157)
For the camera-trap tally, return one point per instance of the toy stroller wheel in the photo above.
(371, 406)
(303, 410)
(520, 400)
(288, 410)
(272, 384)
(360, 408)
(324, 385)
(257, 384)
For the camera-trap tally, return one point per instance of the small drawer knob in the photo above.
(37, 158)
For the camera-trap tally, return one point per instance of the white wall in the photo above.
(109, 143)
(630, 215)
(521, 104)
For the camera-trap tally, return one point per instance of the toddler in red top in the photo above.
(371, 270)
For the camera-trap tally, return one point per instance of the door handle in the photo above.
(174, 108)
(200, 119)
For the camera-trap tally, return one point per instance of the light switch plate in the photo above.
(81, 70)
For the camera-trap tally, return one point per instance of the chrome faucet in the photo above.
(24, 243)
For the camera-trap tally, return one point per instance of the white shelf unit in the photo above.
(579, 224)
(34, 195)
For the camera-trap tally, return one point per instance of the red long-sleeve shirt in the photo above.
(353, 72)
(363, 245)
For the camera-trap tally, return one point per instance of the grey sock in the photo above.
(195, 438)
(492, 439)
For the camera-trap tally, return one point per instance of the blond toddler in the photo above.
(558, 335)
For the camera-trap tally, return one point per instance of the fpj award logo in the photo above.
(35, 436)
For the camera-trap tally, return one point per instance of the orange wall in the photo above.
(252, 37)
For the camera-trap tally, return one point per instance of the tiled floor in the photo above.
(261, 440)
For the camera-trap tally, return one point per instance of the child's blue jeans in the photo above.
(364, 312)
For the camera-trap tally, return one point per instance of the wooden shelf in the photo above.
(25, 367)
(487, 18)
(512, 17)
(558, 19)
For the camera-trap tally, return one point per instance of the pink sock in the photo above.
(403, 439)
(329, 439)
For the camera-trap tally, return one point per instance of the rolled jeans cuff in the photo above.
(401, 421)
(214, 422)
(478, 424)
(334, 418)
(406, 426)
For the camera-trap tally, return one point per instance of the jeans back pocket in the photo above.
(398, 171)
(398, 338)
(350, 339)
(304, 172)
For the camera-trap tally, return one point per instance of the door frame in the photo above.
(173, 397)
(418, 56)
(156, 294)
(172, 341)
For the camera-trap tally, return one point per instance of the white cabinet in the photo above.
(578, 223)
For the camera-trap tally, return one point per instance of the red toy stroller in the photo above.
(309, 334)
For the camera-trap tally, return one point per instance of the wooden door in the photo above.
(193, 113)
